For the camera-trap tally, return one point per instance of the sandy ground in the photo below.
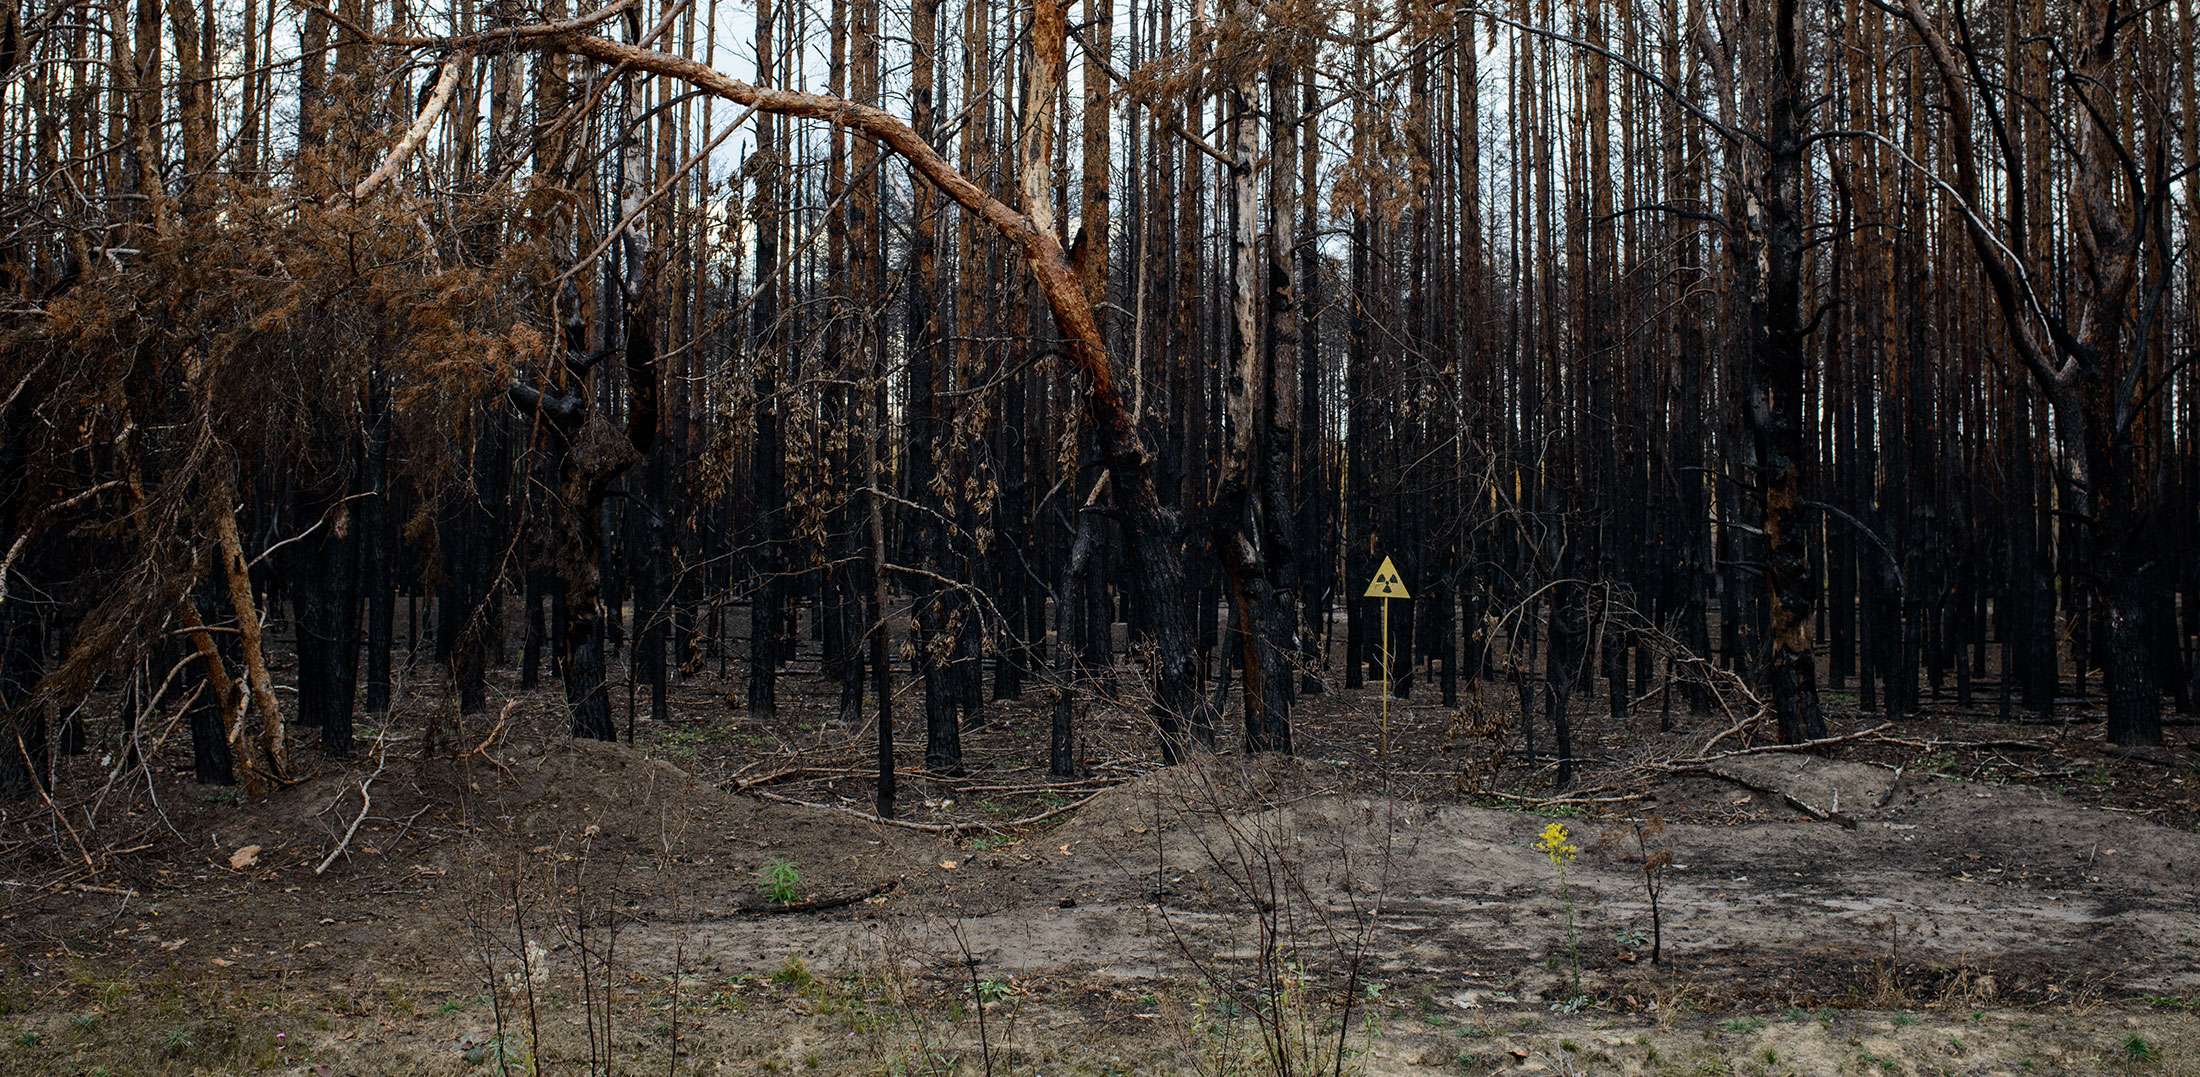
(2003, 924)
(1986, 899)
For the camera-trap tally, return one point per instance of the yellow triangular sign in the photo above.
(1386, 583)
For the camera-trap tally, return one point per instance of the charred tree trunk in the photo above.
(378, 541)
(1778, 357)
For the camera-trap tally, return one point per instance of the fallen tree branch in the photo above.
(819, 904)
(1800, 746)
(30, 530)
(790, 773)
(928, 828)
(482, 749)
(1937, 744)
(261, 686)
(1791, 800)
(366, 801)
(418, 132)
(1552, 801)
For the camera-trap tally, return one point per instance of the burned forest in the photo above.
(1100, 536)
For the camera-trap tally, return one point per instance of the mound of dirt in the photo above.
(439, 848)
(1200, 787)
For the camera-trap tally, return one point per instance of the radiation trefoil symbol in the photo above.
(1386, 583)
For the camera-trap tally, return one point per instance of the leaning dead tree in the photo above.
(1152, 527)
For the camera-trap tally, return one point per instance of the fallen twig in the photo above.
(929, 828)
(1893, 787)
(795, 772)
(1801, 746)
(821, 904)
(366, 801)
(1792, 801)
(1936, 744)
(1540, 801)
(482, 749)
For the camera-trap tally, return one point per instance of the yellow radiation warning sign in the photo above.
(1386, 583)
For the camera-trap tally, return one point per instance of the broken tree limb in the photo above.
(1762, 749)
(823, 904)
(1152, 526)
(929, 828)
(239, 580)
(1823, 815)
(421, 125)
(366, 801)
(226, 701)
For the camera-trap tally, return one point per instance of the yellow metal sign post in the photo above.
(1386, 585)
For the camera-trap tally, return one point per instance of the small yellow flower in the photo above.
(1556, 846)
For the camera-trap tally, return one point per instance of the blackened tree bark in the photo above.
(377, 530)
(1779, 356)
(599, 455)
(466, 537)
(1076, 572)
(590, 454)
(325, 596)
(927, 533)
(650, 560)
(767, 456)
(1315, 553)
(1565, 660)
(207, 683)
(23, 744)
(1152, 528)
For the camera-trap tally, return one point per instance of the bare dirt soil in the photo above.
(1947, 895)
